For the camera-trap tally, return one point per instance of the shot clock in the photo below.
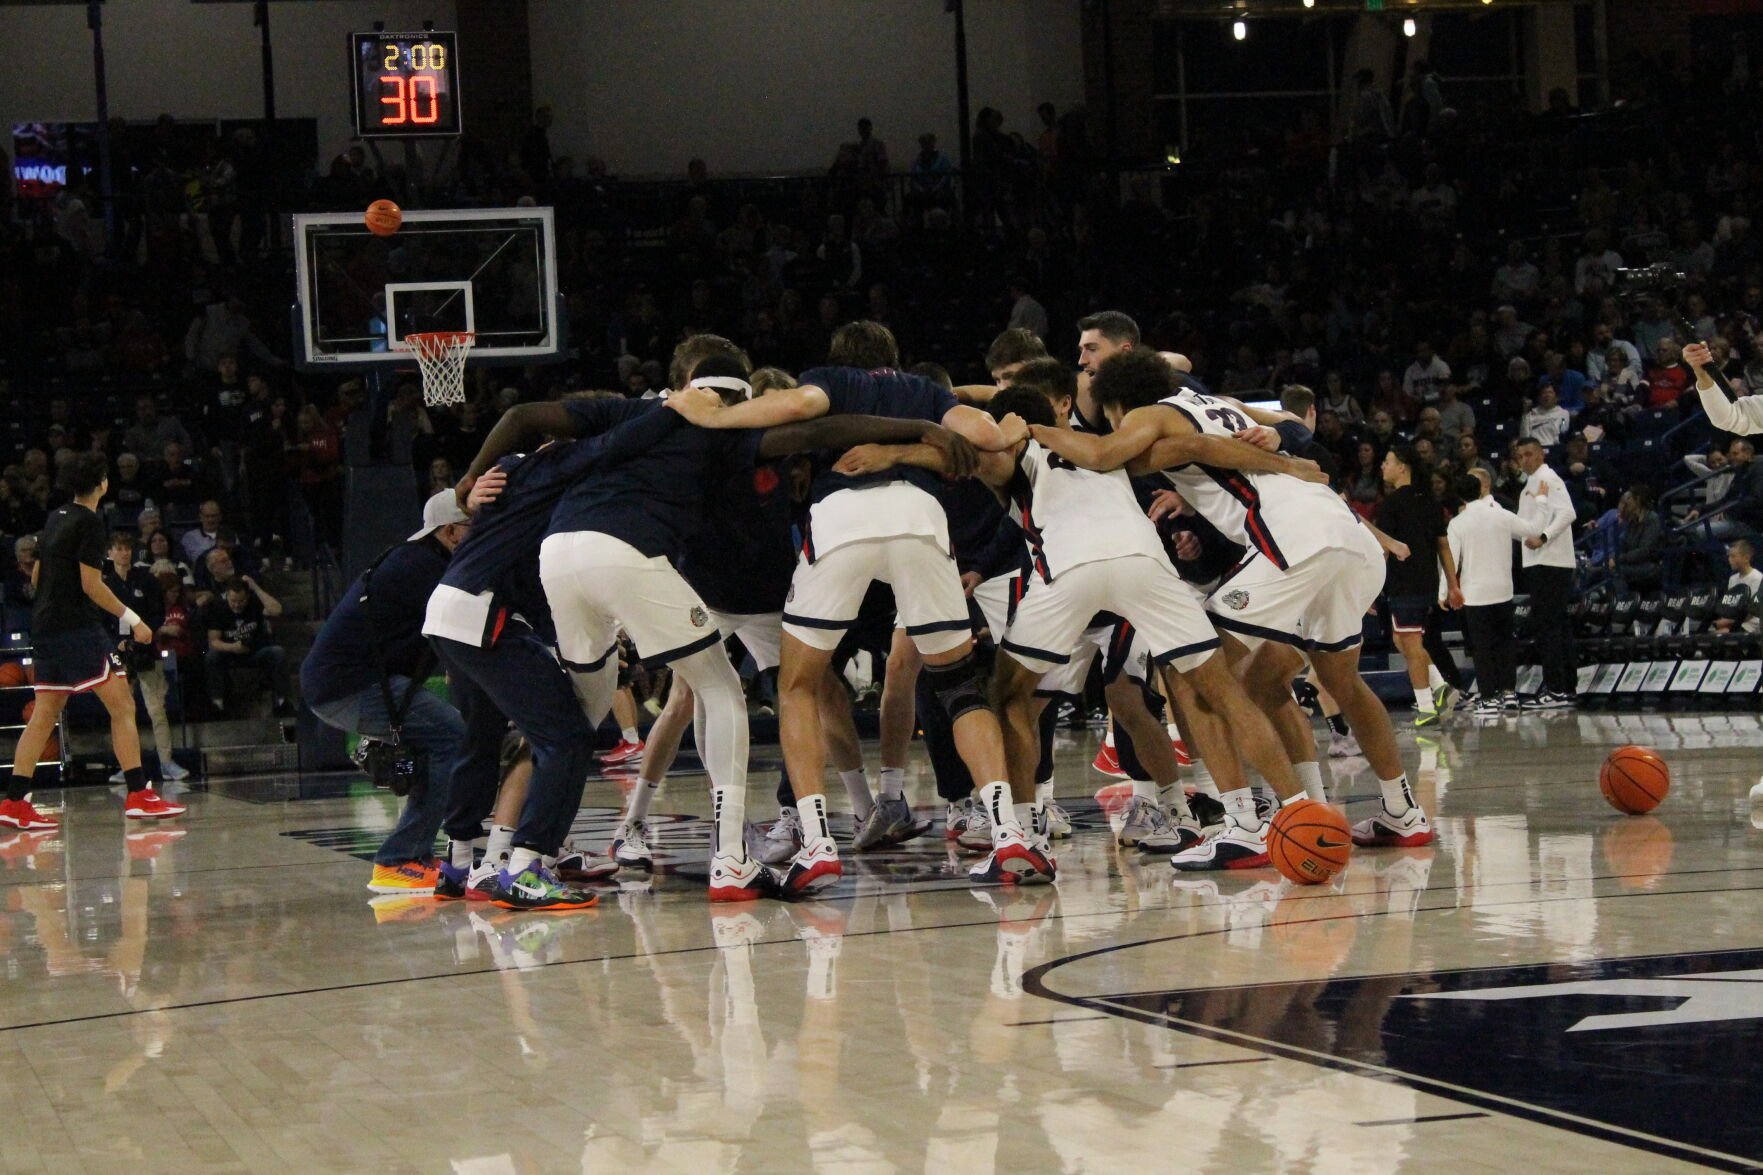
(406, 84)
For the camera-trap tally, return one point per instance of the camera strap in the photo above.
(395, 711)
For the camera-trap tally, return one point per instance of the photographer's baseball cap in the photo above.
(442, 508)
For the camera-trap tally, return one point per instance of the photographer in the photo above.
(360, 672)
(135, 586)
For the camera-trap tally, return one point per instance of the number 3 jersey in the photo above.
(1285, 518)
(1074, 516)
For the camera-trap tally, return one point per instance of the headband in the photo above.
(726, 383)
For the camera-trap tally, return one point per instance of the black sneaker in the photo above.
(1206, 810)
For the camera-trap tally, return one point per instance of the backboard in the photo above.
(491, 271)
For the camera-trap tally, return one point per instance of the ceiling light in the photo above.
(1240, 30)
(1408, 27)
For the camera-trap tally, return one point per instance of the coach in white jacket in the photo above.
(1547, 514)
(1742, 416)
(1481, 538)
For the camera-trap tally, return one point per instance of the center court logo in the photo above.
(1236, 599)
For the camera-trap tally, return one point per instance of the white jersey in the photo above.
(1074, 516)
(1285, 518)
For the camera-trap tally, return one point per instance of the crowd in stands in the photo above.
(1445, 271)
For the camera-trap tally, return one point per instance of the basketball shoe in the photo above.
(1343, 746)
(1107, 761)
(148, 804)
(622, 754)
(1231, 847)
(956, 815)
(815, 867)
(1148, 828)
(1057, 821)
(630, 845)
(1410, 830)
(409, 877)
(890, 822)
(578, 864)
(1015, 860)
(536, 888)
(453, 884)
(20, 814)
(740, 879)
(976, 837)
(782, 839)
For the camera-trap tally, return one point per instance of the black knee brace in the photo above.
(957, 687)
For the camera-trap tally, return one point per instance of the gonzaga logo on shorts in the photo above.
(1236, 600)
(699, 617)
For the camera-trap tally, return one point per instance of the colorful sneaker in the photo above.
(782, 840)
(815, 867)
(630, 845)
(1343, 746)
(20, 814)
(889, 823)
(1107, 761)
(148, 804)
(1183, 756)
(450, 883)
(1410, 830)
(1058, 821)
(623, 753)
(536, 888)
(578, 864)
(1425, 717)
(1015, 860)
(1444, 697)
(481, 878)
(977, 836)
(740, 879)
(1233, 847)
(409, 877)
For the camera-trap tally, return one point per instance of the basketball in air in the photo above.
(383, 218)
(1634, 780)
(1309, 842)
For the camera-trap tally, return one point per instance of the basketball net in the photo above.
(441, 356)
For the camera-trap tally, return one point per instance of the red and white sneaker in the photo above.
(20, 814)
(148, 804)
(740, 880)
(624, 752)
(1107, 761)
(1183, 756)
(1016, 860)
(1410, 830)
(1232, 847)
(814, 868)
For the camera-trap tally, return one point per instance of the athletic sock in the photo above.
(629, 734)
(1174, 731)
(1239, 809)
(893, 783)
(1144, 789)
(1338, 724)
(462, 854)
(1108, 739)
(136, 777)
(857, 787)
(728, 823)
(1310, 775)
(1433, 677)
(500, 842)
(1026, 817)
(811, 810)
(18, 787)
(642, 796)
(995, 798)
(1397, 796)
(520, 859)
(1175, 802)
(1423, 698)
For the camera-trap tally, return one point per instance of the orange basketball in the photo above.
(383, 218)
(11, 674)
(53, 749)
(1634, 780)
(1309, 842)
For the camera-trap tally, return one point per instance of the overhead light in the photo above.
(1408, 27)
(1309, 3)
(1240, 30)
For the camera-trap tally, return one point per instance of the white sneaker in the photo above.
(630, 845)
(977, 836)
(782, 839)
(1232, 847)
(740, 879)
(172, 771)
(1410, 830)
(1016, 860)
(119, 777)
(578, 864)
(1343, 746)
(1148, 828)
(955, 817)
(1058, 821)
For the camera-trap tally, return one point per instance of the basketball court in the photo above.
(1552, 987)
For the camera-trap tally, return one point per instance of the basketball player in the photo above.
(1311, 574)
(72, 649)
(887, 527)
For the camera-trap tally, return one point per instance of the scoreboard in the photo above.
(406, 84)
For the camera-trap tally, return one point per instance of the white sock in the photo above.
(642, 796)
(1310, 775)
(1174, 731)
(1027, 817)
(519, 859)
(1108, 739)
(720, 719)
(857, 787)
(1433, 677)
(1175, 802)
(1044, 793)
(893, 783)
(629, 734)
(1144, 789)
(995, 799)
(1423, 698)
(1239, 809)
(1397, 796)
(812, 810)
(462, 854)
(728, 820)
(499, 843)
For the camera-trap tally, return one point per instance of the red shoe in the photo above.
(1183, 756)
(1107, 761)
(20, 814)
(145, 846)
(148, 804)
(624, 752)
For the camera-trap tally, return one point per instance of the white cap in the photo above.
(437, 512)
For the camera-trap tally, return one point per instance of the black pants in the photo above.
(1434, 644)
(1550, 589)
(1489, 629)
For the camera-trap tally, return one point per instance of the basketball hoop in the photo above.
(441, 355)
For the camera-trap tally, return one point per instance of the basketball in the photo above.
(52, 749)
(1634, 780)
(383, 218)
(1309, 842)
(11, 674)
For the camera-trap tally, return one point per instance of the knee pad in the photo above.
(957, 687)
(514, 750)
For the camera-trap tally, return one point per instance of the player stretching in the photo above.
(890, 527)
(72, 650)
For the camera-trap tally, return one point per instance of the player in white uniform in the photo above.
(1312, 572)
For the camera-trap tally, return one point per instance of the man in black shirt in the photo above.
(1411, 517)
(72, 651)
(239, 637)
(134, 585)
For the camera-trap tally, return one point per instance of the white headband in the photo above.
(726, 383)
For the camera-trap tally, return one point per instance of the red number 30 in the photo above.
(406, 100)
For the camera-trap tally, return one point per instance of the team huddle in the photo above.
(1013, 523)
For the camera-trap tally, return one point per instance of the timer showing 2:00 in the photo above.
(406, 84)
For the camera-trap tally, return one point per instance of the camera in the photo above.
(390, 766)
(1658, 280)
